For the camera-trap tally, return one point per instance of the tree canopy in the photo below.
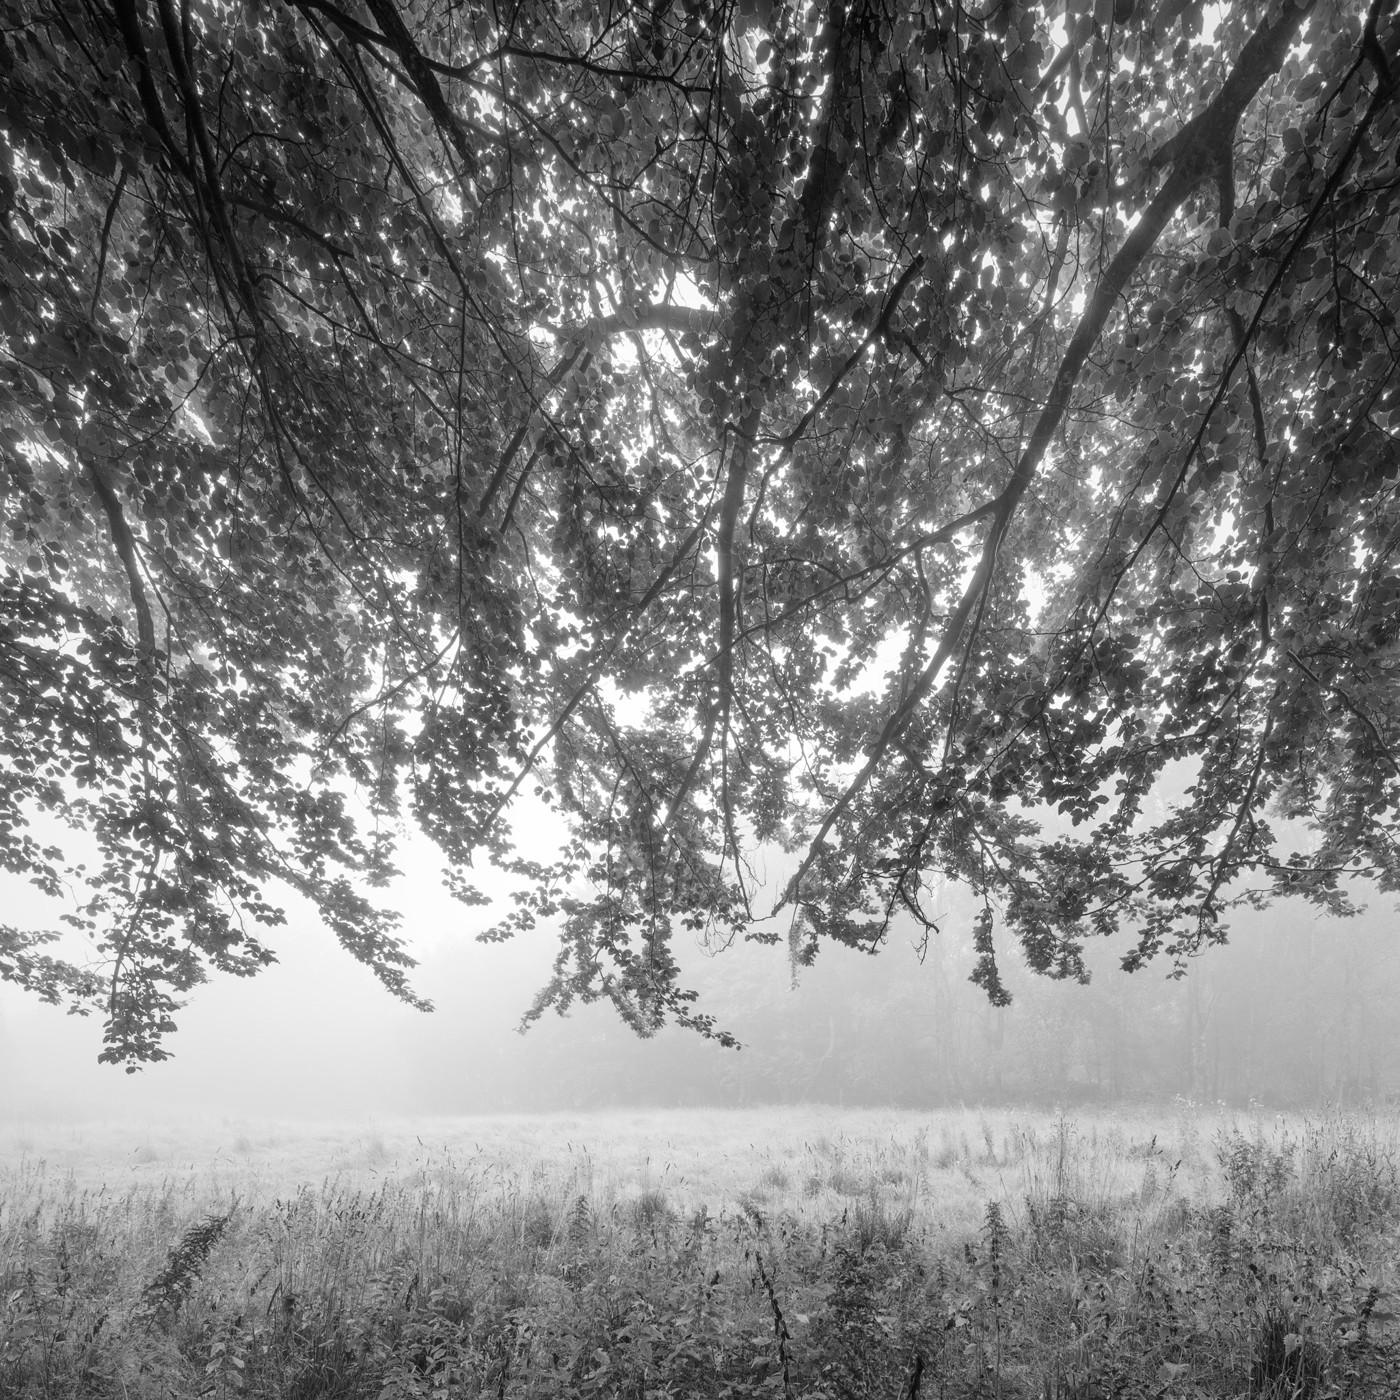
(904, 433)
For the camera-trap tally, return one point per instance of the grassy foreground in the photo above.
(782, 1254)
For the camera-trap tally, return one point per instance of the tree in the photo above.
(905, 433)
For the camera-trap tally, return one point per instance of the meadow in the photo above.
(779, 1253)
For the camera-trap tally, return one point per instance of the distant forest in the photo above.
(1296, 1011)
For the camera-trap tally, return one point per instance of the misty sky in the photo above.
(316, 1034)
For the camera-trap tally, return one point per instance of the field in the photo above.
(782, 1253)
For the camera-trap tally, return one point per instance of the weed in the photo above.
(650, 1210)
(163, 1297)
(1255, 1169)
(538, 1227)
(1286, 1364)
(946, 1157)
(872, 1224)
(988, 1142)
(846, 1181)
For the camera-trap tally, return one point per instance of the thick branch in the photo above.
(125, 545)
(352, 29)
(1259, 60)
(128, 21)
(106, 238)
(212, 185)
(556, 376)
(740, 458)
(424, 80)
(880, 329)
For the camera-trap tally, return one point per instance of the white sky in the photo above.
(316, 1036)
(315, 1031)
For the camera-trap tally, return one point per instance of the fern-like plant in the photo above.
(164, 1296)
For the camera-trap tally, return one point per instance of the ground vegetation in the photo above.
(1202, 1260)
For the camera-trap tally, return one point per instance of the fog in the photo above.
(1296, 1010)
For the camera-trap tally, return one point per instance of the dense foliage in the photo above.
(901, 433)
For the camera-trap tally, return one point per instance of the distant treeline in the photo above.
(1296, 1010)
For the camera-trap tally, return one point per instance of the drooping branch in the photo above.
(736, 480)
(1220, 867)
(1352, 708)
(125, 545)
(1225, 180)
(1245, 334)
(1198, 154)
(804, 237)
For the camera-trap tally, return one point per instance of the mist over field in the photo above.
(1293, 1012)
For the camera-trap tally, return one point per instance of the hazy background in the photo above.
(1299, 1009)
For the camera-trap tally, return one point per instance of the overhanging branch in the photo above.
(1197, 155)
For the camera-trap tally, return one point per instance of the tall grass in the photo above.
(891, 1256)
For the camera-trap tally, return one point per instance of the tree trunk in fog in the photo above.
(1247, 1052)
(948, 1047)
(1195, 1047)
(1115, 1060)
(1353, 1011)
(1319, 1025)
